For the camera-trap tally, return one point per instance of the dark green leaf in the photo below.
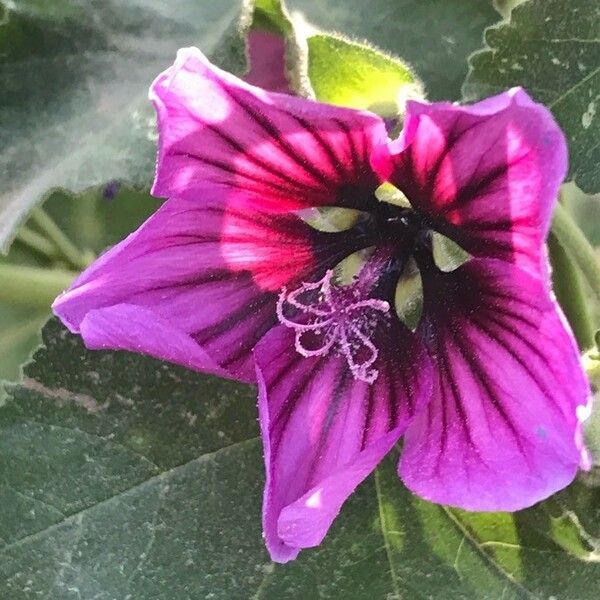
(126, 478)
(552, 48)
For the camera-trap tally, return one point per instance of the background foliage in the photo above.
(121, 477)
(147, 483)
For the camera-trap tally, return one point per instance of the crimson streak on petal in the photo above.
(208, 272)
(487, 175)
(283, 152)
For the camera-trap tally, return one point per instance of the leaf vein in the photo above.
(147, 482)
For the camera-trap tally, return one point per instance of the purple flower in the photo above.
(228, 277)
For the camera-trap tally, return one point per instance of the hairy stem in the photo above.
(64, 245)
(36, 242)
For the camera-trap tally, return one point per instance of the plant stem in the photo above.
(32, 286)
(63, 244)
(570, 293)
(36, 242)
(579, 249)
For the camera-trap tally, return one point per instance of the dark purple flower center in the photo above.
(346, 317)
(394, 246)
(404, 232)
(399, 226)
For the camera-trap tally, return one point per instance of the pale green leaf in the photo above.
(346, 70)
(433, 36)
(73, 99)
(359, 76)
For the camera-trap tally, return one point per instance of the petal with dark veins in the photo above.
(324, 431)
(487, 175)
(206, 273)
(503, 430)
(284, 152)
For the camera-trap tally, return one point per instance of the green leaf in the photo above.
(552, 48)
(434, 36)
(124, 477)
(268, 15)
(19, 335)
(30, 279)
(576, 244)
(568, 288)
(585, 211)
(359, 76)
(73, 102)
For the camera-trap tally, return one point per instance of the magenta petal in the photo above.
(503, 430)
(207, 275)
(324, 432)
(487, 174)
(284, 152)
(129, 327)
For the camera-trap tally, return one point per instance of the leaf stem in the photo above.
(63, 244)
(571, 238)
(32, 286)
(570, 293)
